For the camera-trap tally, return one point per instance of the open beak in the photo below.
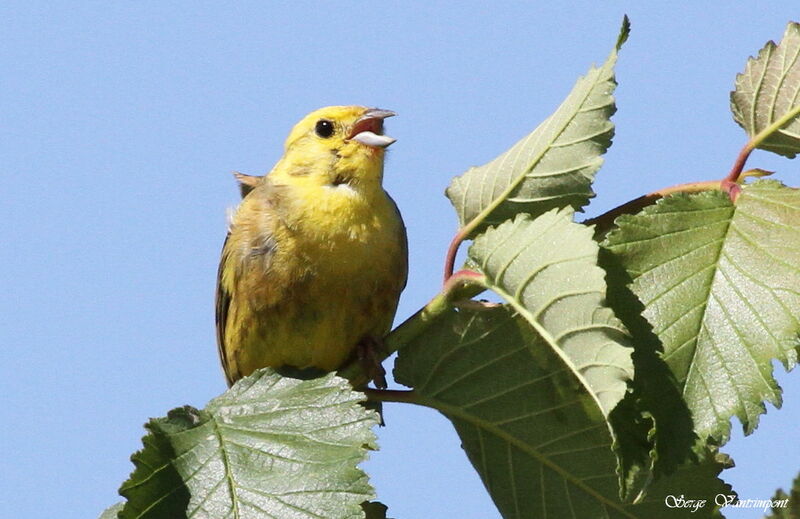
(368, 129)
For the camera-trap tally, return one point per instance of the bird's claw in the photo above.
(367, 351)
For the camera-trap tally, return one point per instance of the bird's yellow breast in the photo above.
(343, 229)
(338, 269)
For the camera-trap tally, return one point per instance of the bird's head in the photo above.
(346, 143)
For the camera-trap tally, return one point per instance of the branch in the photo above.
(730, 184)
(452, 250)
(605, 221)
(391, 395)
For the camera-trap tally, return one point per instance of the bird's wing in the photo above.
(403, 239)
(223, 302)
(246, 182)
(249, 247)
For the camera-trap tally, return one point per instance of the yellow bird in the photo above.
(316, 254)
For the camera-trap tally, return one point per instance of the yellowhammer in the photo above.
(316, 255)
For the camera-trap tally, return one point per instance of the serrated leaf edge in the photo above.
(595, 76)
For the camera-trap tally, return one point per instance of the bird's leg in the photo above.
(368, 350)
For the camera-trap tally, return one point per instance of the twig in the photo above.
(605, 221)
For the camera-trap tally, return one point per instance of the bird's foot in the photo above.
(368, 352)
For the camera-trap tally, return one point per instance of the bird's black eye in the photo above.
(324, 128)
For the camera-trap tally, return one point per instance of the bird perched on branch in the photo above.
(316, 255)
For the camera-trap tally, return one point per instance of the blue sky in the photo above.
(120, 125)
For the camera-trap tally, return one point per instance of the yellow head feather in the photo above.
(336, 143)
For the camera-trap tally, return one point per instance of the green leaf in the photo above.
(719, 283)
(691, 491)
(536, 436)
(529, 385)
(270, 446)
(112, 511)
(767, 95)
(547, 270)
(534, 433)
(786, 505)
(553, 166)
(654, 412)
